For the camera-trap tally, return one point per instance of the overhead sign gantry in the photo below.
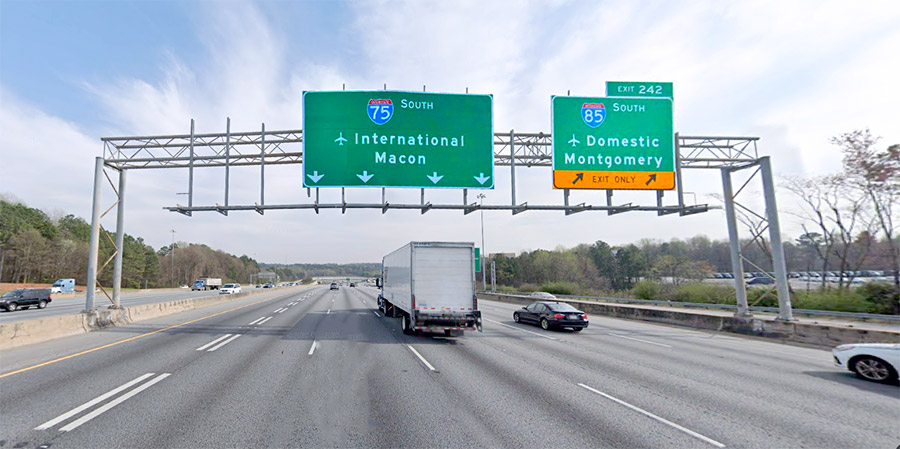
(397, 139)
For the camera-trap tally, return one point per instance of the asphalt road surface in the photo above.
(321, 368)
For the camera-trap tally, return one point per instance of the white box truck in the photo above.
(206, 283)
(431, 287)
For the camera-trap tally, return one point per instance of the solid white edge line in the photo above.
(113, 403)
(213, 342)
(90, 404)
(256, 321)
(264, 321)
(376, 313)
(523, 330)
(638, 339)
(223, 343)
(312, 348)
(420, 357)
(651, 415)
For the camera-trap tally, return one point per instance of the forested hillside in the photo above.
(35, 248)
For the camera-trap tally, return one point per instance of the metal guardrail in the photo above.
(812, 312)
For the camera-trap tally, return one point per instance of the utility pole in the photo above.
(173, 256)
(483, 252)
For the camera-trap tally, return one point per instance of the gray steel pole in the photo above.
(512, 166)
(262, 167)
(227, 157)
(737, 266)
(191, 172)
(95, 237)
(120, 241)
(483, 252)
(781, 283)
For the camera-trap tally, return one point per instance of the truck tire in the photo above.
(406, 325)
(42, 304)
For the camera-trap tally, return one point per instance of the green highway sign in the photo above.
(477, 260)
(397, 139)
(613, 143)
(639, 89)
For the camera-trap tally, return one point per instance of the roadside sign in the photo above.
(477, 260)
(397, 139)
(639, 89)
(613, 143)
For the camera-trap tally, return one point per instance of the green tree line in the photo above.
(37, 249)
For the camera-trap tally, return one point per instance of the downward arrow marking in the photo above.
(481, 178)
(365, 176)
(435, 178)
(316, 176)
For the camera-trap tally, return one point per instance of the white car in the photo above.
(877, 362)
(230, 288)
(543, 295)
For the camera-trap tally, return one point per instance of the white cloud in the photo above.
(793, 74)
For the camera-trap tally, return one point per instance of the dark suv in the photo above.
(24, 298)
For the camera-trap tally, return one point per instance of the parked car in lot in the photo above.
(334, 286)
(761, 281)
(552, 314)
(24, 298)
(230, 288)
(877, 362)
(543, 295)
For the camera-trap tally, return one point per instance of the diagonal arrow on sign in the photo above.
(365, 176)
(316, 176)
(435, 178)
(481, 178)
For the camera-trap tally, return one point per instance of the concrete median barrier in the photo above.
(800, 332)
(26, 332)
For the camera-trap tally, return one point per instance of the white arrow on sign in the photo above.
(365, 176)
(481, 178)
(316, 176)
(435, 178)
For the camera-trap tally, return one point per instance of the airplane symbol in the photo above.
(574, 141)
(340, 140)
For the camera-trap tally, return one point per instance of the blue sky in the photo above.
(792, 73)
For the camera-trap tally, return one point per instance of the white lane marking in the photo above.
(281, 310)
(312, 348)
(233, 338)
(264, 321)
(638, 339)
(328, 312)
(113, 403)
(90, 403)
(651, 415)
(420, 357)
(376, 313)
(213, 342)
(523, 330)
(256, 321)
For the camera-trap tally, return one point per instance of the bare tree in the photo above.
(877, 174)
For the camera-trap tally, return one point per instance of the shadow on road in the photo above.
(850, 379)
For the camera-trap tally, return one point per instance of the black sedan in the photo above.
(552, 314)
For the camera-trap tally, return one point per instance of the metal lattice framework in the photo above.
(512, 149)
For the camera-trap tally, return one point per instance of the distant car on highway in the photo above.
(23, 298)
(552, 314)
(334, 286)
(268, 285)
(543, 295)
(877, 362)
(230, 288)
(352, 284)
